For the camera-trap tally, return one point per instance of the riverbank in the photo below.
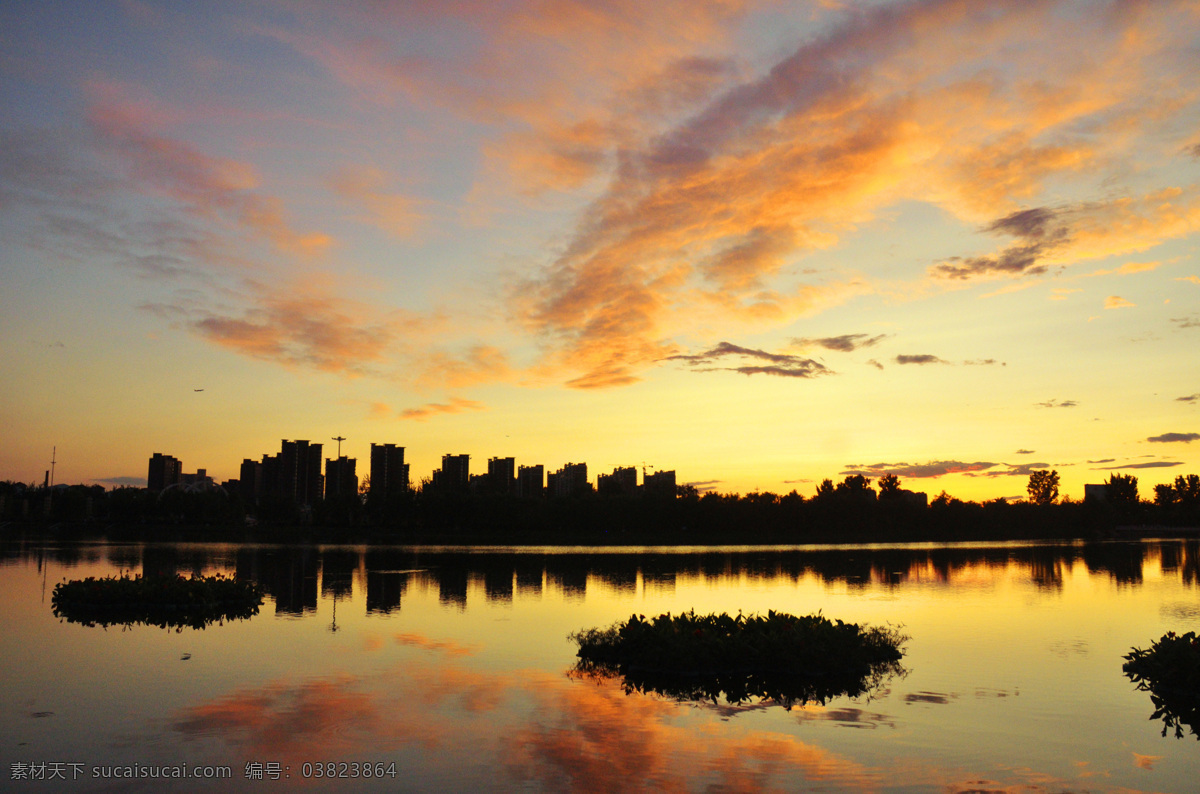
(209, 533)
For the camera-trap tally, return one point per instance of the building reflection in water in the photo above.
(296, 577)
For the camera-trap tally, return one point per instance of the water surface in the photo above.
(452, 670)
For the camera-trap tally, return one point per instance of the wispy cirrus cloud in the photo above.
(645, 65)
(846, 343)
(1047, 237)
(304, 327)
(207, 186)
(779, 364)
(1172, 438)
(1039, 233)
(478, 364)
(1012, 470)
(927, 358)
(1151, 464)
(936, 468)
(1058, 404)
(398, 214)
(787, 163)
(920, 358)
(426, 643)
(456, 405)
(919, 470)
(1128, 269)
(1061, 293)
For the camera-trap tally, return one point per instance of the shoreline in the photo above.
(565, 539)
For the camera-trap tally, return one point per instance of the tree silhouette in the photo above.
(1164, 494)
(856, 486)
(1043, 486)
(889, 486)
(1121, 489)
(1187, 490)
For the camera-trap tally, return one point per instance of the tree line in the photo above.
(853, 509)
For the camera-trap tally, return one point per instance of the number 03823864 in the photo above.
(347, 769)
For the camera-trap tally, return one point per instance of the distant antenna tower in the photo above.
(339, 439)
(53, 456)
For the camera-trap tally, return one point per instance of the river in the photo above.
(434, 669)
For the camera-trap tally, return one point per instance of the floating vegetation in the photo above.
(783, 658)
(1170, 671)
(164, 601)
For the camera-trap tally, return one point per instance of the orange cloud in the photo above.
(304, 329)
(424, 703)
(290, 723)
(562, 733)
(722, 174)
(442, 646)
(1087, 230)
(1117, 302)
(456, 405)
(594, 737)
(209, 186)
(481, 364)
(394, 213)
(713, 209)
(645, 63)
(1145, 761)
(1137, 267)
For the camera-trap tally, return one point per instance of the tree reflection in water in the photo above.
(738, 689)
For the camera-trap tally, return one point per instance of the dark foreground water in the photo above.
(443, 670)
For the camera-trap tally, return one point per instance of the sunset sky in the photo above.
(759, 243)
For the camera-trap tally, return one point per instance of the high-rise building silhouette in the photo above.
(530, 480)
(251, 479)
(660, 483)
(389, 472)
(501, 476)
(199, 479)
(570, 480)
(164, 470)
(295, 473)
(455, 474)
(622, 481)
(341, 477)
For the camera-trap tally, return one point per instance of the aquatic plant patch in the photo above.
(165, 601)
(778, 657)
(1170, 671)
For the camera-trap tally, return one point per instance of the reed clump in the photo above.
(165, 601)
(778, 656)
(1170, 671)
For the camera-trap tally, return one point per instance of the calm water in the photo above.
(453, 667)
